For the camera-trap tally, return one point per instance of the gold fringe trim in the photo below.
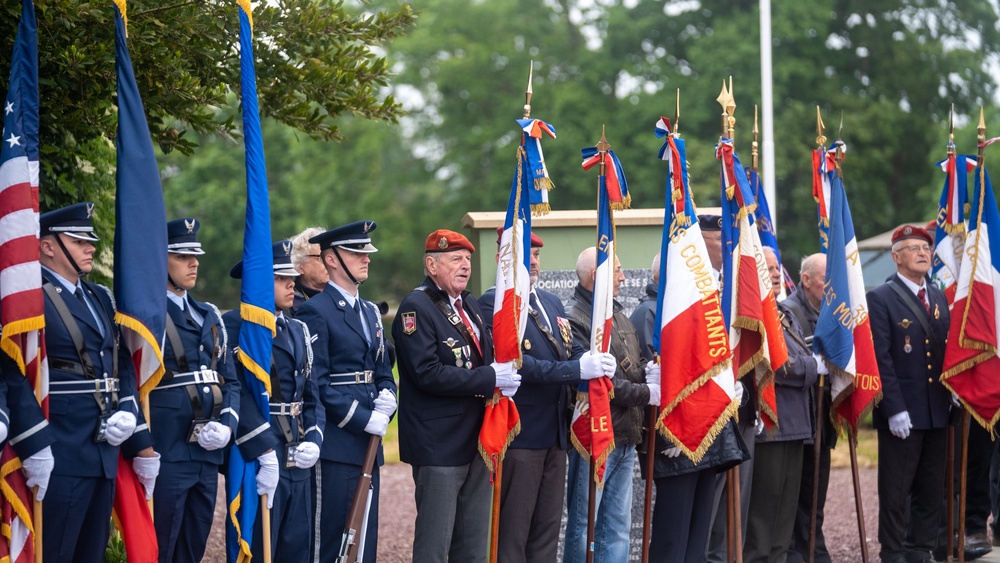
(539, 209)
(625, 203)
(698, 453)
(17, 328)
(730, 192)
(953, 229)
(962, 340)
(234, 507)
(250, 365)
(257, 315)
(601, 460)
(510, 438)
(544, 183)
(695, 385)
(986, 424)
(8, 493)
(580, 449)
(122, 8)
(245, 4)
(136, 326)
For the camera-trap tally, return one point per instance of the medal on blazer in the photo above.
(905, 323)
(937, 313)
(906, 346)
(451, 342)
(459, 360)
(527, 344)
(564, 330)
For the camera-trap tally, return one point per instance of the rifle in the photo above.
(352, 539)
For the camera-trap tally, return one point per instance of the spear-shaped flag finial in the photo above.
(725, 99)
(753, 145)
(820, 137)
(527, 93)
(981, 137)
(677, 114)
(951, 130)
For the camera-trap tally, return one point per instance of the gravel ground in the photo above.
(398, 513)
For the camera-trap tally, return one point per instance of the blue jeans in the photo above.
(614, 508)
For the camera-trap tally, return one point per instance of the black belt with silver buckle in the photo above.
(105, 385)
(352, 378)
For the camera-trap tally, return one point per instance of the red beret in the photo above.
(443, 240)
(536, 241)
(909, 231)
(931, 226)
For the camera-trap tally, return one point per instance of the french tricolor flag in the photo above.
(513, 285)
(697, 381)
(949, 236)
(843, 333)
(970, 359)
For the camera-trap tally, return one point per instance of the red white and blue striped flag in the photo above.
(843, 333)
(822, 164)
(949, 236)
(22, 307)
(970, 359)
(698, 393)
(748, 302)
(531, 161)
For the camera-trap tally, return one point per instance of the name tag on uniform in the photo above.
(290, 454)
(197, 425)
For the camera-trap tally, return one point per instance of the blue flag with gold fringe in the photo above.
(256, 302)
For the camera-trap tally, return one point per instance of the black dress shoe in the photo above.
(976, 546)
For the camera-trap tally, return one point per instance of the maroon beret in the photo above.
(909, 231)
(443, 240)
(536, 241)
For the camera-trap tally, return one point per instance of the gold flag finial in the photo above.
(725, 100)
(527, 93)
(677, 114)
(820, 137)
(839, 155)
(981, 137)
(951, 131)
(731, 110)
(753, 144)
(603, 147)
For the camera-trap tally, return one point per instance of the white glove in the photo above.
(609, 364)
(507, 377)
(385, 403)
(821, 368)
(146, 469)
(652, 373)
(121, 425)
(672, 452)
(654, 394)
(508, 391)
(267, 476)
(306, 455)
(37, 469)
(377, 424)
(214, 435)
(590, 366)
(3, 431)
(759, 424)
(739, 392)
(899, 425)
(955, 401)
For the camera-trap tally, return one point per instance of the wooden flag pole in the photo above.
(495, 517)
(730, 526)
(265, 515)
(966, 419)
(144, 402)
(647, 509)
(852, 440)
(36, 515)
(737, 516)
(591, 508)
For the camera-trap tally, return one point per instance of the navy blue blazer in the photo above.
(910, 379)
(170, 409)
(550, 365)
(293, 365)
(74, 418)
(341, 347)
(27, 430)
(441, 404)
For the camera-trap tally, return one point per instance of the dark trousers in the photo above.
(777, 474)
(682, 517)
(718, 538)
(76, 516)
(977, 482)
(799, 550)
(291, 522)
(911, 489)
(183, 509)
(335, 485)
(531, 501)
(453, 513)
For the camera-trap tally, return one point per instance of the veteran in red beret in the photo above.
(446, 371)
(909, 323)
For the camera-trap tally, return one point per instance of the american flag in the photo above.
(22, 307)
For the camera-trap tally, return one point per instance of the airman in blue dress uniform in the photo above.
(194, 408)
(295, 431)
(93, 405)
(355, 381)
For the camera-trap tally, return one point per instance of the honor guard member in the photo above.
(295, 430)
(909, 320)
(446, 371)
(24, 426)
(194, 409)
(93, 407)
(355, 378)
(534, 468)
(308, 261)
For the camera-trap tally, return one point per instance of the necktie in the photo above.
(922, 296)
(187, 314)
(468, 325)
(541, 312)
(79, 295)
(282, 325)
(364, 323)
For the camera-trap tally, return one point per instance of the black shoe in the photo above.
(976, 546)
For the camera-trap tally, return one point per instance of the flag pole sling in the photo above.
(817, 452)
(852, 440)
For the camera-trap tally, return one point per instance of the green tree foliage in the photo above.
(316, 60)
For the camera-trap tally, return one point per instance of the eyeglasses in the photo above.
(915, 248)
(314, 255)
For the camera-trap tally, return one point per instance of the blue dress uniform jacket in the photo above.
(27, 430)
(442, 404)
(910, 379)
(255, 434)
(171, 409)
(75, 417)
(342, 348)
(550, 364)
